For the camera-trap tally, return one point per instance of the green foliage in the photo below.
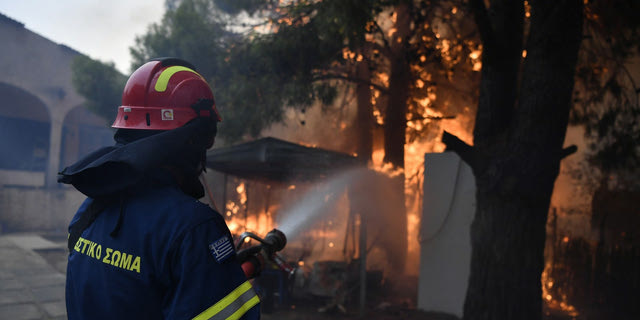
(312, 37)
(267, 75)
(295, 57)
(255, 76)
(326, 93)
(191, 31)
(235, 7)
(195, 31)
(100, 84)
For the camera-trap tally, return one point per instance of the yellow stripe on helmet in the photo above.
(163, 79)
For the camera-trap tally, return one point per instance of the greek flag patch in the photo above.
(221, 249)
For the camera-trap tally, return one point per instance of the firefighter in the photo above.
(141, 245)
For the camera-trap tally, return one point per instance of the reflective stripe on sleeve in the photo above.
(233, 306)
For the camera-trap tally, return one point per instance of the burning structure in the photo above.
(334, 211)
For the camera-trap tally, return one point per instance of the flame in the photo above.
(391, 32)
(379, 165)
(232, 208)
(384, 78)
(239, 218)
(475, 57)
(413, 170)
(257, 223)
(233, 226)
(242, 192)
(309, 145)
(560, 304)
(378, 117)
(445, 49)
(350, 55)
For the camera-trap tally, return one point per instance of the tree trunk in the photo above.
(395, 128)
(517, 155)
(395, 121)
(364, 117)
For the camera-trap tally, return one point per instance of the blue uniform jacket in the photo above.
(172, 257)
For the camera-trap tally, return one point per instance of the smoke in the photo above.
(569, 193)
(316, 203)
(316, 126)
(327, 218)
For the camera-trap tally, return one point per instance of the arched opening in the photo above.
(24, 130)
(82, 133)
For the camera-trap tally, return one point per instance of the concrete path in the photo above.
(31, 287)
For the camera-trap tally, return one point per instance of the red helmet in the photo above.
(164, 94)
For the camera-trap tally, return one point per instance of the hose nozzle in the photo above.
(275, 240)
(253, 258)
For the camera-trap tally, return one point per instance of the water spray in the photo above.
(307, 211)
(295, 220)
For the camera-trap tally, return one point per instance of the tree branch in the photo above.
(431, 118)
(332, 76)
(568, 151)
(465, 151)
(385, 51)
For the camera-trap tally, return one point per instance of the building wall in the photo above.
(25, 209)
(21, 178)
(35, 81)
(445, 240)
(41, 68)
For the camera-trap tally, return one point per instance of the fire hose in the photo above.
(254, 259)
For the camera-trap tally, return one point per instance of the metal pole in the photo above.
(203, 180)
(363, 265)
(268, 203)
(246, 205)
(224, 196)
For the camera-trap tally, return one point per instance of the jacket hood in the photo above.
(130, 165)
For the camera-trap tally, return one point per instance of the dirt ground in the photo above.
(399, 315)
(386, 302)
(310, 312)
